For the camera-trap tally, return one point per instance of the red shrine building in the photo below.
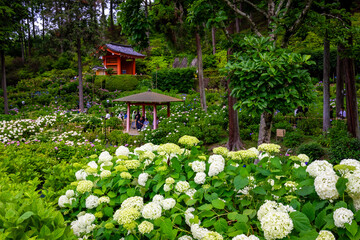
(120, 58)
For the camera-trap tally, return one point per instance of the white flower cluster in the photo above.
(243, 155)
(68, 198)
(342, 216)
(292, 186)
(81, 175)
(319, 167)
(217, 165)
(91, 202)
(105, 174)
(151, 211)
(223, 151)
(84, 224)
(84, 186)
(188, 141)
(145, 227)
(168, 203)
(168, 149)
(325, 186)
(143, 177)
(122, 151)
(105, 157)
(269, 148)
(200, 178)
(244, 237)
(182, 186)
(325, 235)
(349, 166)
(185, 237)
(198, 166)
(275, 220)
(303, 158)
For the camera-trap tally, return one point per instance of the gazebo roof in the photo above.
(121, 49)
(148, 97)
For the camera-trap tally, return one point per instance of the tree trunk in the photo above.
(43, 21)
(3, 82)
(265, 128)
(347, 66)
(339, 82)
(200, 72)
(29, 38)
(22, 40)
(81, 93)
(111, 15)
(33, 21)
(234, 143)
(326, 84)
(213, 31)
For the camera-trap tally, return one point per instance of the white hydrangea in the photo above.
(190, 192)
(105, 164)
(273, 206)
(62, 201)
(105, 174)
(148, 147)
(93, 164)
(325, 235)
(189, 215)
(182, 186)
(151, 211)
(145, 227)
(143, 177)
(81, 175)
(198, 232)
(303, 158)
(158, 199)
(244, 237)
(104, 199)
(349, 162)
(217, 165)
(70, 193)
(264, 155)
(319, 167)
(105, 157)
(276, 225)
(168, 203)
(169, 180)
(254, 150)
(356, 202)
(92, 202)
(122, 151)
(325, 186)
(292, 186)
(342, 216)
(353, 185)
(133, 202)
(198, 166)
(200, 178)
(185, 237)
(84, 224)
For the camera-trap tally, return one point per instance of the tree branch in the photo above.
(279, 7)
(287, 7)
(291, 31)
(241, 13)
(256, 7)
(336, 17)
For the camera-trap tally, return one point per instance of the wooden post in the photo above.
(134, 73)
(143, 110)
(128, 118)
(155, 117)
(104, 60)
(168, 109)
(118, 65)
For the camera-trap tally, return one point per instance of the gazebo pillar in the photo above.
(128, 118)
(168, 109)
(143, 110)
(155, 117)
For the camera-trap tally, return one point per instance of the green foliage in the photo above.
(180, 79)
(263, 76)
(312, 149)
(310, 126)
(117, 137)
(293, 139)
(124, 82)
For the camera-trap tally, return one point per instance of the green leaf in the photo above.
(276, 162)
(25, 216)
(319, 221)
(259, 190)
(205, 207)
(99, 192)
(301, 221)
(108, 211)
(309, 210)
(131, 192)
(341, 185)
(217, 203)
(353, 228)
(110, 194)
(240, 182)
(306, 190)
(221, 226)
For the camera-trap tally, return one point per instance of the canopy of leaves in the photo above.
(266, 78)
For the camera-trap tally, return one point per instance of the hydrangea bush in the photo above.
(168, 192)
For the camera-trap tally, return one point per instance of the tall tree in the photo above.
(278, 17)
(11, 13)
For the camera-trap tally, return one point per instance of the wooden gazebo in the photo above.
(147, 99)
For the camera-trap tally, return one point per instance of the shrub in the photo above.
(293, 139)
(343, 148)
(181, 79)
(117, 137)
(123, 82)
(313, 150)
(310, 126)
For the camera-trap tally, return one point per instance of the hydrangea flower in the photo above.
(269, 148)
(276, 225)
(81, 175)
(122, 151)
(126, 215)
(167, 187)
(64, 200)
(145, 227)
(104, 199)
(132, 164)
(84, 224)
(242, 155)
(212, 236)
(151, 211)
(143, 177)
(325, 235)
(217, 165)
(125, 175)
(185, 237)
(169, 180)
(91, 202)
(319, 167)
(182, 186)
(133, 202)
(198, 232)
(105, 157)
(221, 151)
(84, 186)
(200, 178)
(198, 166)
(93, 164)
(158, 199)
(169, 148)
(188, 141)
(168, 203)
(325, 186)
(70, 193)
(105, 174)
(244, 237)
(303, 158)
(342, 216)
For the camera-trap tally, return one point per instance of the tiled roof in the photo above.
(125, 49)
(148, 97)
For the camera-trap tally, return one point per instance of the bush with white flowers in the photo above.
(167, 192)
